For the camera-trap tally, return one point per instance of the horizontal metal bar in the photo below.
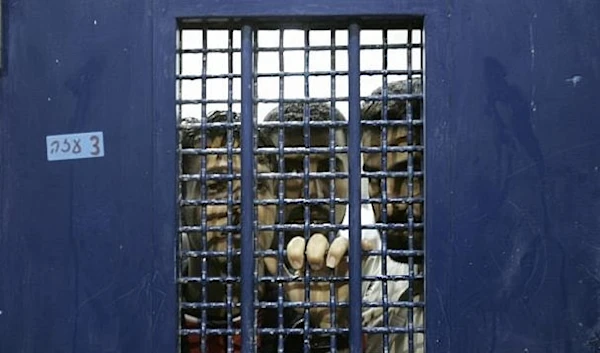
(383, 21)
(288, 279)
(296, 100)
(301, 304)
(392, 329)
(207, 101)
(328, 226)
(296, 227)
(300, 48)
(285, 201)
(296, 176)
(267, 331)
(295, 124)
(208, 50)
(211, 202)
(294, 74)
(259, 100)
(270, 176)
(283, 279)
(335, 124)
(236, 125)
(273, 279)
(325, 331)
(210, 331)
(339, 47)
(394, 97)
(265, 150)
(207, 77)
(207, 202)
(388, 123)
(297, 331)
(308, 202)
(297, 150)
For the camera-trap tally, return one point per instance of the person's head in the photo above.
(324, 161)
(221, 190)
(396, 161)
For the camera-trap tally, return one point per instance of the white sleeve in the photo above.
(372, 291)
(373, 265)
(367, 217)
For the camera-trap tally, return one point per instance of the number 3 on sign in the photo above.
(75, 146)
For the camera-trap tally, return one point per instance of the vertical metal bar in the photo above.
(332, 154)
(204, 193)
(180, 257)
(230, 206)
(384, 139)
(280, 197)
(254, 190)
(333, 299)
(306, 190)
(355, 251)
(410, 169)
(247, 175)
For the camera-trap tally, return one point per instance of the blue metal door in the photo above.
(88, 245)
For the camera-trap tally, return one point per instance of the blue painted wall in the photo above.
(513, 173)
(84, 266)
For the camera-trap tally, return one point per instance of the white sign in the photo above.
(75, 146)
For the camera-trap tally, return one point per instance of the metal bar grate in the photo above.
(301, 186)
(354, 184)
(247, 185)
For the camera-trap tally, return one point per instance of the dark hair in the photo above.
(396, 107)
(217, 124)
(294, 112)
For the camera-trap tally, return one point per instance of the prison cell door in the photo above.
(89, 213)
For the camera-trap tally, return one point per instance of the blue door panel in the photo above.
(512, 198)
(518, 270)
(83, 268)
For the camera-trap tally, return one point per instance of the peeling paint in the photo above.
(532, 103)
(574, 80)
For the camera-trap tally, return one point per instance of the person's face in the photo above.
(220, 214)
(318, 188)
(397, 187)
